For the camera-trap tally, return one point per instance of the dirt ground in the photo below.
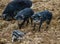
(51, 36)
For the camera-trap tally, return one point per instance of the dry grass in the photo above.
(52, 36)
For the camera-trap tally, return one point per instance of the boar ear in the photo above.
(39, 14)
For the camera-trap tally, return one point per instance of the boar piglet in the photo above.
(24, 15)
(40, 17)
(17, 35)
(13, 7)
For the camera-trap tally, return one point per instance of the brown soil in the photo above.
(51, 36)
